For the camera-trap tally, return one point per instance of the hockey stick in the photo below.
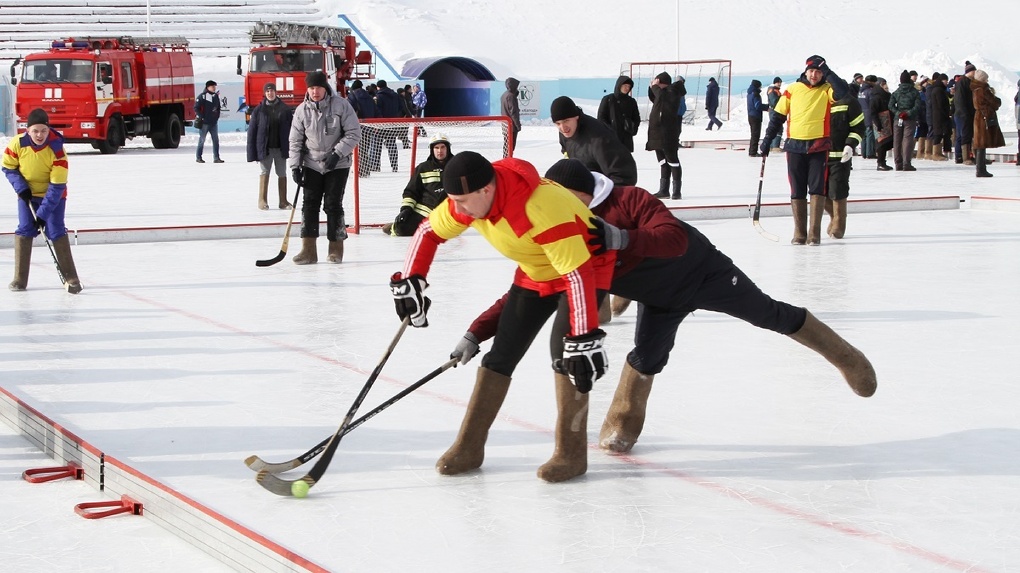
(756, 217)
(53, 253)
(286, 235)
(258, 464)
(284, 487)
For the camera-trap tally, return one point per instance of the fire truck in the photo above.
(107, 90)
(283, 53)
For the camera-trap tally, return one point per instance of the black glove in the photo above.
(40, 224)
(332, 161)
(408, 299)
(25, 195)
(765, 147)
(584, 359)
(606, 237)
(298, 175)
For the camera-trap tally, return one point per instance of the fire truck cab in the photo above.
(284, 53)
(105, 91)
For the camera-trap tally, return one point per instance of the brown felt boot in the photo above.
(799, 207)
(814, 235)
(62, 249)
(967, 159)
(626, 415)
(281, 185)
(832, 219)
(605, 311)
(570, 458)
(22, 260)
(619, 305)
(264, 192)
(308, 255)
(920, 153)
(468, 450)
(839, 219)
(336, 252)
(852, 364)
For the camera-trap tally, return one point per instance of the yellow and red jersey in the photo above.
(807, 108)
(539, 225)
(43, 168)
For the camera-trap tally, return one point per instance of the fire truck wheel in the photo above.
(170, 136)
(111, 144)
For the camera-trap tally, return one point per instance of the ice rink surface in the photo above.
(183, 358)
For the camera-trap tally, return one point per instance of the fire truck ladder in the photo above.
(282, 33)
(138, 42)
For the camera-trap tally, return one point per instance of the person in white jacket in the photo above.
(323, 136)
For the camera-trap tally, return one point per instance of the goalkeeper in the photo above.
(424, 191)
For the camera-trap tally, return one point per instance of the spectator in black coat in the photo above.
(940, 117)
(755, 108)
(207, 112)
(364, 105)
(390, 105)
(268, 143)
(712, 103)
(592, 142)
(664, 131)
(619, 110)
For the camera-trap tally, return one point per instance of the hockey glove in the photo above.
(332, 161)
(765, 147)
(40, 224)
(298, 175)
(584, 359)
(606, 237)
(848, 153)
(25, 195)
(408, 299)
(466, 348)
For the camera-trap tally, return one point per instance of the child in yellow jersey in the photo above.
(36, 166)
(806, 102)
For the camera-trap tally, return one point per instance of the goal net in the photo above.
(696, 74)
(390, 150)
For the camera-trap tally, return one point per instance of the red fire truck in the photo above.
(283, 53)
(105, 91)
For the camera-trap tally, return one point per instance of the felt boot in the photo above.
(468, 450)
(263, 192)
(22, 260)
(814, 235)
(839, 219)
(832, 219)
(308, 255)
(570, 457)
(281, 184)
(852, 364)
(62, 249)
(619, 305)
(605, 311)
(626, 415)
(799, 207)
(336, 252)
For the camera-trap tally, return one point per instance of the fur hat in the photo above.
(317, 79)
(562, 108)
(905, 77)
(467, 172)
(664, 78)
(37, 117)
(968, 67)
(572, 174)
(981, 76)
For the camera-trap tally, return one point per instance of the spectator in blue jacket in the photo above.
(268, 142)
(755, 108)
(207, 111)
(419, 100)
(712, 103)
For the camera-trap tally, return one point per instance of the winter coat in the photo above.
(595, 144)
(620, 112)
(754, 103)
(906, 99)
(864, 99)
(987, 134)
(207, 106)
(712, 96)
(319, 129)
(846, 126)
(940, 118)
(363, 103)
(418, 98)
(881, 117)
(389, 103)
(509, 104)
(270, 123)
(663, 122)
(963, 102)
(1016, 107)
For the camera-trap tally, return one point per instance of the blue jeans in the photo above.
(212, 130)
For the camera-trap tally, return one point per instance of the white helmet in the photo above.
(437, 139)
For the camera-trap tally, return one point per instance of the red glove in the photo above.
(903, 115)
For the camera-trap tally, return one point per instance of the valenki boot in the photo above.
(799, 207)
(839, 219)
(570, 457)
(852, 364)
(626, 415)
(468, 450)
(22, 260)
(814, 235)
(308, 255)
(62, 249)
(336, 252)
(281, 185)
(832, 218)
(605, 311)
(619, 305)
(263, 192)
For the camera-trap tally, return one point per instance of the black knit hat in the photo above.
(573, 175)
(664, 78)
(858, 75)
(563, 108)
(814, 63)
(905, 77)
(36, 117)
(210, 83)
(466, 173)
(968, 67)
(317, 79)
(269, 86)
(357, 85)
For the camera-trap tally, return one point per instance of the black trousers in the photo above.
(325, 190)
(752, 145)
(807, 173)
(837, 183)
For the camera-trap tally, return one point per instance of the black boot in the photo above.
(982, 166)
(663, 189)
(678, 182)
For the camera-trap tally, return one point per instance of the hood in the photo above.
(622, 81)
(603, 187)
(512, 84)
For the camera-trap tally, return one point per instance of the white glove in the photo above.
(467, 348)
(848, 153)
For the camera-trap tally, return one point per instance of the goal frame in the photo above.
(638, 71)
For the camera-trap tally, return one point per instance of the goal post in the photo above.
(391, 148)
(695, 73)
